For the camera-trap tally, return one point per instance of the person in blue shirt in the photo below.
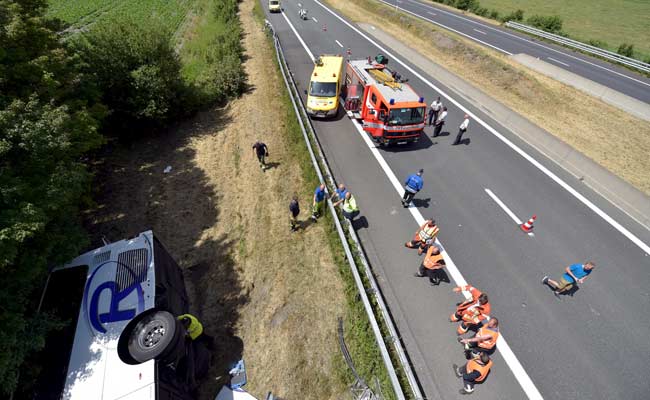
(412, 185)
(319, 201)
(574, 273)
(339, 193)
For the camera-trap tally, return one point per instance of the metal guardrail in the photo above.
(374, 290)
(609, 55)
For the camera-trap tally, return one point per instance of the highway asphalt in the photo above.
(592, 345)
(512, 42)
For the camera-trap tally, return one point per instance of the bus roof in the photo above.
(119, 285)
(328, 70)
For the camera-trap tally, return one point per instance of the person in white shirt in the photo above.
(461, 129)
(440, 121)
(436, 106)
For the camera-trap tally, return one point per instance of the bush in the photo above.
(482, 11)
(551, 23)
(598, 43)
(514, 16)
(626, 49)
(137, 72)
(494, 14)
(467, 5)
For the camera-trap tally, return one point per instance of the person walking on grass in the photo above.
(412, 185)
(461, 129)
(575, 273)
(440, 121)
(261, 151)
(319, 202)
(294, 210)
(474, 371)
(430, 267)
(349, 207)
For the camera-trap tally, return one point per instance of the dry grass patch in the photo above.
(614, 139)
(226, 223)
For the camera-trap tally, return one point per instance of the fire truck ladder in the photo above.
(384, 78)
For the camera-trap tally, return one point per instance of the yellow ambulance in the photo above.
(325, 86)
(274, 6)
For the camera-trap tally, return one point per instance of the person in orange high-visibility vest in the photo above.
(470, 312)
(430, 267)
(485, 339)
(424, 236)
(474, 371)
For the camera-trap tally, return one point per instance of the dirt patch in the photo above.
(614, 139)
(252, 282)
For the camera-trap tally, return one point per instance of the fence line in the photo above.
(610, 55)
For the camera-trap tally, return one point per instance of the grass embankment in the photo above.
(610, 22)
(226, 223)
(609, 136)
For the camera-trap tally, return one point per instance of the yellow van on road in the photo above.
(274, 6)
(325, 86)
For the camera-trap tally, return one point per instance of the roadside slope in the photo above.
(260, 291)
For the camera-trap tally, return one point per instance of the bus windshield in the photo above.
(406, 116)
(323, 89)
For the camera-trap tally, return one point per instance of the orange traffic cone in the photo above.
(528, 225)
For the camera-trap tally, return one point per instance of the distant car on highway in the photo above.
(274, 6)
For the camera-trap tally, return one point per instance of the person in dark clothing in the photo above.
(294, 210)
(461, 130)
(440, 121)
(474, 371)
(261, 151)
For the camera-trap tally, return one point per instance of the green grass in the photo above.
(612, 22)
(80, 13)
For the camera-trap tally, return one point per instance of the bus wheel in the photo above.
(149, 336)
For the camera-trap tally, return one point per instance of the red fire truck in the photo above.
(389, 109)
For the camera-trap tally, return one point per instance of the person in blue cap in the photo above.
(412, 185)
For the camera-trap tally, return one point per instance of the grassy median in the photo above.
(607, 135)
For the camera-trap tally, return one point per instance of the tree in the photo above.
(48, 118)
(137, 72)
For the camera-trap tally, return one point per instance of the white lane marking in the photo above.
(624, 231)
(505, 208)
(481, 32)
(511, 360)
(339, 43)
(311, 56)
(448, 28)
(558, 61)
(506, 352)
(528, 41)
(429, 12)
(315, 20)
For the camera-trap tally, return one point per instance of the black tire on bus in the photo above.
(154, 334)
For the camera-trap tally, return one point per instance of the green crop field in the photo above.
(610, 21)
(80, 13)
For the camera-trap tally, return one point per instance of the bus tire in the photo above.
(151, 335)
